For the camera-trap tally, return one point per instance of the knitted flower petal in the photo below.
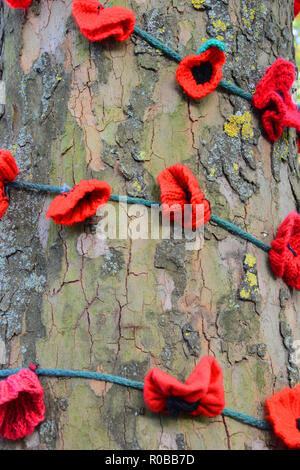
(272, 97)
(4, 201)
(19, 3)
(203, 390)
(178, 187)
(200, 74)
(79, 203)
(284, 413)
(296, 8)
(97, 23)
(285, 253)
(8, 167)
(21, 404)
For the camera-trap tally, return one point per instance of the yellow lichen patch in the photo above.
(136, 187)
(236, 167)
(250, 260)
(252, 279)
(197, 3)
(245, 294)
(219, 25)
(212, 172)
(239, 123)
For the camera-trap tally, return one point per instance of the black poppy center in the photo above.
(298, 423)
(175, 405)
(202, 73)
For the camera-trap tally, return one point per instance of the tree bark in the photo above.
(113, 111)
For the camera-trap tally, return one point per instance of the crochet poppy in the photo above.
(97, 23)
(8, 167)
(80, 203)
(296, 8)
(8, 172)
(272, 97)
(283, 411)
(19, 3)
(200, 74)
(201, 394)
(178, 187)
(21, 404)
(285, 253)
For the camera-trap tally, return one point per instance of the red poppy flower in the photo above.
(201, 394)
(21, 404)
(97, 23)
(4, 201)
(80, 203)
(179, 187)
(283, 410)
(200, 74)
(296, 8)
(8, 167)
(285, 253)
(272, 97)
(19, 3)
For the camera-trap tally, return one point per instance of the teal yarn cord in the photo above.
(235, 90)
(239, 232)
(146, 202)
(242, 417)
(81, 374)
(157, 44)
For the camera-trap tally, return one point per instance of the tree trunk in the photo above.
(113, 111)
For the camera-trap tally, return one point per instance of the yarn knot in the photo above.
(175, 405)
(8, 172)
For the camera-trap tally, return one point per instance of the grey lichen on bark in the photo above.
(113, 111)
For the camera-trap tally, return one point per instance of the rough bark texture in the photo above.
(113, 111)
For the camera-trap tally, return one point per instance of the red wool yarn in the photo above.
(178, 187)
(272, 97)
(283, 411)
(200, 74)
(80, 203)
(205, 384)
(296, 8)
(21, 404)
(19, 3)
(285, 253)
(8, 167)
(97, 23)
(8, 172)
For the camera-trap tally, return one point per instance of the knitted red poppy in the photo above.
(19, 3)
(200, 74)
(8, 172)
(97, 23)
(8, 167)
(285, 253)
(272, 97)
(80, 203)
(201, 394)
(296, 8)
(178, 187)
(283, 410)
(21, 404)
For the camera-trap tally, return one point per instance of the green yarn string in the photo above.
(255, 422)
(239, 232)
(157, 44)
(235, 90)
(146, 202)
(82, 374)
